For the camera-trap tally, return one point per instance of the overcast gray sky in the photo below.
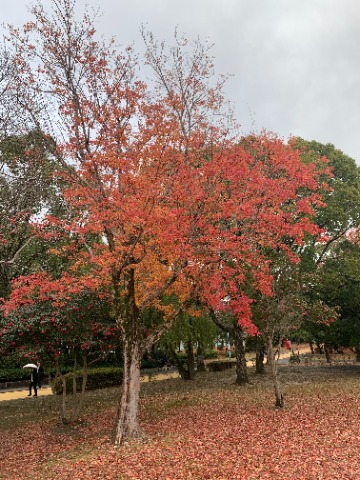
(295, 63)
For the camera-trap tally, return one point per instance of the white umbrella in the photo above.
(30, 365)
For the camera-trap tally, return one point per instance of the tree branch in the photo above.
(17, 253)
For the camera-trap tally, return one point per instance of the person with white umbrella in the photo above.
(33, 378)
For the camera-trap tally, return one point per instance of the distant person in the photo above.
(33, 382)
(40, 374)
(288, 344)
(262, 354)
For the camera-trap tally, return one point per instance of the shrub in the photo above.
(12, 360)
(14, 374)
(150, 363)
(220, 366)
(156, 359)
(97, 378)
(210, 354)
(294, 358)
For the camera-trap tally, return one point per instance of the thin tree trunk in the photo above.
(319, 347)
(279, 399)
(62, 402)
(74, 382)
(200, 364)
(128, 423)
(190, 359)
(357, 353)
(241, 367)
(259, 362)
(327, 353)
(71, 405)
(79, 397)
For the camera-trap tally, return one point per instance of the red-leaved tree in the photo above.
(165, 204)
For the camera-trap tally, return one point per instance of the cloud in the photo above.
(295, 64)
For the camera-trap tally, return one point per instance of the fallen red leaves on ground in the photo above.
(227, 437)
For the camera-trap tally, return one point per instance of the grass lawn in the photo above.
(205, 429)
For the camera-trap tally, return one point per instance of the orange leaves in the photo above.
(181, 220)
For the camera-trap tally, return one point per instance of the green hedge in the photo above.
(210, 354)
(14, 374)
(17, 374)
(220, 366)
(97, 378)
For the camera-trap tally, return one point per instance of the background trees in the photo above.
(324, 264)
(193, 332)
(27, 190)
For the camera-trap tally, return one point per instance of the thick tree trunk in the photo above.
(128, 422)
(129, 322)
(241, 368)
(182, 367)
(279, 399)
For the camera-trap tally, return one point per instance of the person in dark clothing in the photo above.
(40, 374)
(33, 382)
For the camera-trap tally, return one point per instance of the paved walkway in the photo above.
(23, 393)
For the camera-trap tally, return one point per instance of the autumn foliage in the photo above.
(162, 201)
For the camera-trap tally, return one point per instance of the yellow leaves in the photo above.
(153, 275)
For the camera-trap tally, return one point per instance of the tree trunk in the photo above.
(62, 401)
(279, 399)
(241, 368)
(259, 362)
(71, 405)
(190, 359)
(311, 345)
(182, 368)
(327, 353)
(128, 423)
(200, 363)
(79, 398)
(357, 353)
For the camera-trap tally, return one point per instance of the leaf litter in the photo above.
(207, 429)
